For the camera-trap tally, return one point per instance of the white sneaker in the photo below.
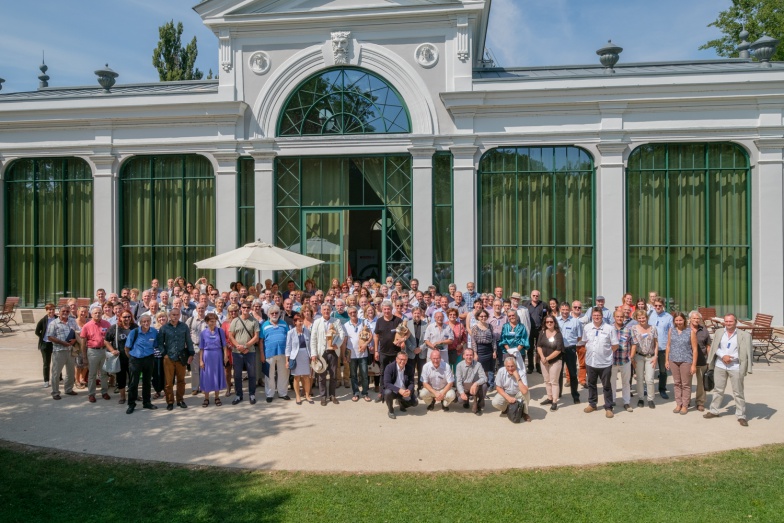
(46, 384)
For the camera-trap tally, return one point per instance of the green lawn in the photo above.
(732, 486)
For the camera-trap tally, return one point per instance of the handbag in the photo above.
(112, 364)
(515, 411)
(708, 382)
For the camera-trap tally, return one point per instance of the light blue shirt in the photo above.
(142, 344)
(606, 316)
(274, 338)
(571, 330)
(663, 324)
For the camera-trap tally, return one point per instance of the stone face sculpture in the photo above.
(341, 40)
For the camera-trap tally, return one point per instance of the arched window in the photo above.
(49, 230)
(688, 227)
(344, 100)
(536, 226)
(168, 218)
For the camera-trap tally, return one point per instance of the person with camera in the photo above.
(62, 337)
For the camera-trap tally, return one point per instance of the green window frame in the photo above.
(167, 218)
(246, 210)
(306, 184)
(48, 230)
(443, 220)
(536, 221)
(344, 100)
(688, 225)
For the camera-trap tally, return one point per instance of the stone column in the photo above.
(767, 238)
(3, 165)
(422, 206)
(264, 186)
(610, 221)
(226, 215)
(105, 234)
(464, 175)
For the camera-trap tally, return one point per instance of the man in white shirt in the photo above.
(731, 359)
(437, 382)
(601, 340)
(511, 384)
(438, 335)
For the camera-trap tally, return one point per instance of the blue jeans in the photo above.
(248, 361)
(359, 375)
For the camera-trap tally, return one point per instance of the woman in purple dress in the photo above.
(211, 359)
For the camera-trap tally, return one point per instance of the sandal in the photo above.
(205, 403)
(355, 398)
(218, 402)
(367, 398)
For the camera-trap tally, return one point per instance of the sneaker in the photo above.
(253, 399)
(237, 400)
(628, 408)
(46, 384)
(589, 409)
(391, 415)
(608, 413)
(640, 403)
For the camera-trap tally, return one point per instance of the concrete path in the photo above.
(359, 436)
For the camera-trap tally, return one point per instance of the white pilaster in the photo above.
(225, 220)
(3, 164)
(767, 241)
(105, 234)
(422, 205)
(609, 211)
(264, 186)
(465, 204)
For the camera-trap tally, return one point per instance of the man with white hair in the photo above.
(437, 382)
(511, 385)
(326, 340)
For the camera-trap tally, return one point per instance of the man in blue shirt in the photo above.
(572, 331)
(607, 316)
(661, 320)
(273, 340)
(140, 345)
(470, 296)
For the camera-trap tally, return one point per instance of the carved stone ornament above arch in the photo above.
(380, 60)
(259, 62)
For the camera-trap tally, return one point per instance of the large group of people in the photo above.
(409, 345)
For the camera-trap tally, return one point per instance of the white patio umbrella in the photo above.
(259, 256)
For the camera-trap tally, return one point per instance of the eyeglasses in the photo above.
(244, 307)
(576, 307)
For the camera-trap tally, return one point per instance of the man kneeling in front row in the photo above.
(511, 386)
(437, 382)
(471, 382)
(399, 385)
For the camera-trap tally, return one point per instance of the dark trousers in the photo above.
(359, 375)
(390, 397)
(481, 391)
(247, 362)
(332, 369)
(158, 375)
(603, 374)
(122, 376)
(46, 354)
(532, 340)
(570, 361)
(144, 367)
(383, 361)
(662, 360)
(417, 363)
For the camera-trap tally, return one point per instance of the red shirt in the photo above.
(95, 333)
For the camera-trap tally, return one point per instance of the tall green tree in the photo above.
(173, 61)
(757, 16)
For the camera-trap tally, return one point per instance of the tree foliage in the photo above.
(757, 16)
(172, 60)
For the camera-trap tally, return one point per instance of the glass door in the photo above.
(323, 239)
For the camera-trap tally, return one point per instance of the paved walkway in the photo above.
(359, 436)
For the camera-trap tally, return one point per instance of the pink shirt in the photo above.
(94, 333)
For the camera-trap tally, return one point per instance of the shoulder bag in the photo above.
(111, 364)
(708, 382)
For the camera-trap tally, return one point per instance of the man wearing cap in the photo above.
(437, 382)
(607, 316)
(522, 312)
(601, 341)
(399, 385)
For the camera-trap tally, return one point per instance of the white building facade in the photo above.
(371, 134)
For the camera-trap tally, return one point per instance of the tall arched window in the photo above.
(49, 230)
(688, 226)
(344, 100)
(536, 227)
(168, 218)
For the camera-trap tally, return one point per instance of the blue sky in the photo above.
(79, 37)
